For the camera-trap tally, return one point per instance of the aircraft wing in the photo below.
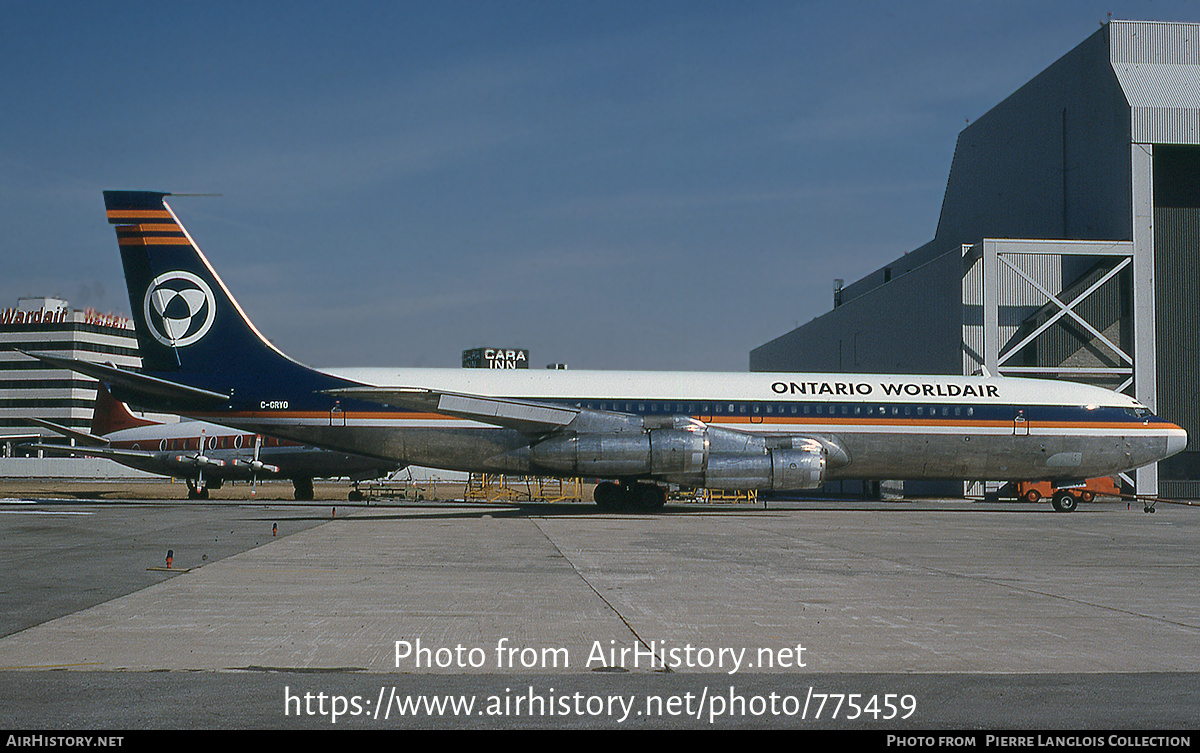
(526, 416)
(164, 463)
(111, 453)
(539, 420)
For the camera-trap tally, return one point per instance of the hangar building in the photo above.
(1068, 244)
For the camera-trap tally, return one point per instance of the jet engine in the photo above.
(694, 455)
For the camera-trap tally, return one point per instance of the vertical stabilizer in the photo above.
(110, 414)
(189, 327)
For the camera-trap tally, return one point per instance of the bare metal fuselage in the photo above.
(865, 447)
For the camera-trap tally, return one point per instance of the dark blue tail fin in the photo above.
(189, 327)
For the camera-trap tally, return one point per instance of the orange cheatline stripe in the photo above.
(849, 422)
(141, 240)
(325, 415)
(120, 214)
(948, 422)
(160, 228)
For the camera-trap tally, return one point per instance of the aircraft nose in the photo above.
(1176, 440)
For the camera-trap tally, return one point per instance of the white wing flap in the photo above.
(524, 416)
(504, 412)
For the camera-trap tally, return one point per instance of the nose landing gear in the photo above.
(1064, 501)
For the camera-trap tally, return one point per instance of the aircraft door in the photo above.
(756, 413)
(1021, 422)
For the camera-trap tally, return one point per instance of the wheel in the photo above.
(649, 497)
(1087, 496)
(1033, 495)
(304, 489)
(355, 496)
(607, 495)
(1064, 501)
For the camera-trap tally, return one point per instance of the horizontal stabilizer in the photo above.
(84, 438)
(157, 392)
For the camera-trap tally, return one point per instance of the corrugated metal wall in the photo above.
(1158, 66)
(919, 333)
(1149, 42)
(1177, 283)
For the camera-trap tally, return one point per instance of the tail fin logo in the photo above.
(180, 308)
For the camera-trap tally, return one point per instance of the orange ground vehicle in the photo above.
(1032, 491)
(1064, 498)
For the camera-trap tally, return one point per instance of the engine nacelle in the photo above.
(776, 469)
(192, 462)
(656, 452)
(706, 456)
(799, 469)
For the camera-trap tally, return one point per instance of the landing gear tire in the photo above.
(355, 496)
(649, 497)
(1064, 501)
(607, 495)
(304, 489)
(611, 496)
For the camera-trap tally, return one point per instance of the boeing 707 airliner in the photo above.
(634, 430)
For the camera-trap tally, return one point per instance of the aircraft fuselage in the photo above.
(878, 426)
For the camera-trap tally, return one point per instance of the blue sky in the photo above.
(644, 185)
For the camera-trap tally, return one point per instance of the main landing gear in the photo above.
(198, 489)
(196, 492)
(303, 489)
(630, 495)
